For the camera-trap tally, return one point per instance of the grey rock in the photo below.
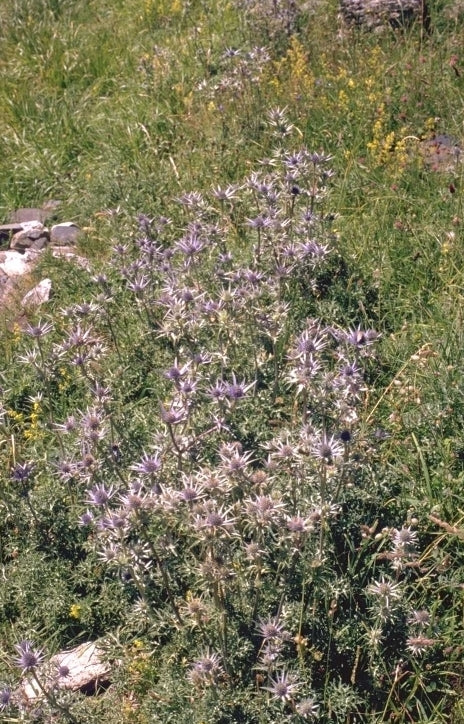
(441, 153)
(65, 234)
(51, 205)
(373, 14)
(45, 213)
(21, 216)
(38, 295)
(34, 235)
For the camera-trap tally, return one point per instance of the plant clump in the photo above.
(229, 486)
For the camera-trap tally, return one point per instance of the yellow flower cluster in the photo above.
(75, 611)
(65, 379)
(163, 7)
(33, 430)
(381, 144)
(17, 417)
(387, 148)
(17, 333)
(292, 73)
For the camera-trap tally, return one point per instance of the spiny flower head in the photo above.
(206, 669)
(28, 657)
(283, 686)
(418, 645)
(307, 708)
(22, 472)
(272, 629)
(147, 465)
(38, 330)
(5, 697)
(99, 495)
(326, 449)
(387, 595)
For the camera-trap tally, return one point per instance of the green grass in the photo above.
(118, 108)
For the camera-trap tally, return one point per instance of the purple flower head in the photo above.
(213, 481)
(420, 618)
(191, 491)
(148, 465)
(172, 415)
(264, 510)
(404, 538)
(121, 249)
(282, 450)
(188, 386)
(277, 119)
(215, 522)
(283, 686)
(193, 200)
(310, 342)
(190, 245)
(109, 554)
(345, 436)
(133, 501)
(272, 629)
(144, 223)
(253, 552)
(86, 518)
(206, 669)
(225, 194)
(79, 337)
(85, 309)
(253, 277)
(327, 449)
(22, 472)
(176, 373)
(237, 463)
(360, 338)
(5, 697)
(101, 394)
(231, 53)
(68, 426)
(235, 390)
(91, 424)
(138, 284)
(88, 463)
(217, 391)
(319, 159)
(99, 495)
(28, 658)
(296, 524)
(260, 222)
(38, 330)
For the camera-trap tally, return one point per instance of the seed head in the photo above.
(307, 708)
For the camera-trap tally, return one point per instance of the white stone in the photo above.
(63, 252)
(85, 666)
(15, 264)
(32, 225)
(38, 295)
